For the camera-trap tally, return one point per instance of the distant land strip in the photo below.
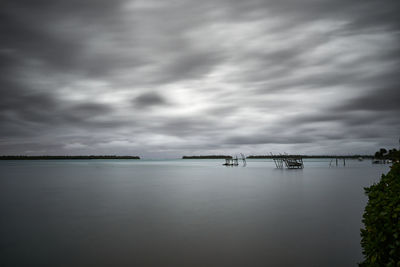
(272, 156)
(66, 157)
(208, 157)
(311, 156)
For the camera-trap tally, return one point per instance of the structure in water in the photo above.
(234, 161)
(337, 162)
(290, 162)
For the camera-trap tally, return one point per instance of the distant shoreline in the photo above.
(22, 157)
(270, 156)
(312, 156)
(208, 157)
(67, 157)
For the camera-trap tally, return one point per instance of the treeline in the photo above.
(311, 156)
(67, 157)
(391, 154)
(208, 157)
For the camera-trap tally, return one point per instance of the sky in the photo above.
(162, 79)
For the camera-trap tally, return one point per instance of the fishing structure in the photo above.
(234, 161)
(337, 161)
(290, 162)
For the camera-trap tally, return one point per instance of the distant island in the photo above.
(208, 157)
(66, 157)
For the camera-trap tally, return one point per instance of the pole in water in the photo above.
(344, 162)
(336, 161)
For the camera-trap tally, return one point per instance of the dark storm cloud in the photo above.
(378, 100)
(359, 14)
(189, 65)
(45, 31)
(148, 100)
(217, 75)
(27, 113)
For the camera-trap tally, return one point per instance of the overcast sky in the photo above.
(171, 78)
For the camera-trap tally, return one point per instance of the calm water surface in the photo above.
(181, 213)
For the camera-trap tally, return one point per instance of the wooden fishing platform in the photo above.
(231, 162)
(290, 162)
(234, 161)
(337, 162)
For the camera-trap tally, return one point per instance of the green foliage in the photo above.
(382, 151)
(381, 235)
(392, 154)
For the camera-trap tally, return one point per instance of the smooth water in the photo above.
(181, 213)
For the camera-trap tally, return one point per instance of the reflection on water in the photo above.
(181, 213)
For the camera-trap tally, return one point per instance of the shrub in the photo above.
(381, 236)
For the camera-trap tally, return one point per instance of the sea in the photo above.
(182, 213)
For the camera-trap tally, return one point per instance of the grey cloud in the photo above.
(73, 71)
(91, 109)
(150, 99)
(195, 127)
(267, 139)
(190, 65)
(378, 100)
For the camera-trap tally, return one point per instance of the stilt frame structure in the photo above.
(290, 162)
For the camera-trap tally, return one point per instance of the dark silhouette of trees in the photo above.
(392, 154)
